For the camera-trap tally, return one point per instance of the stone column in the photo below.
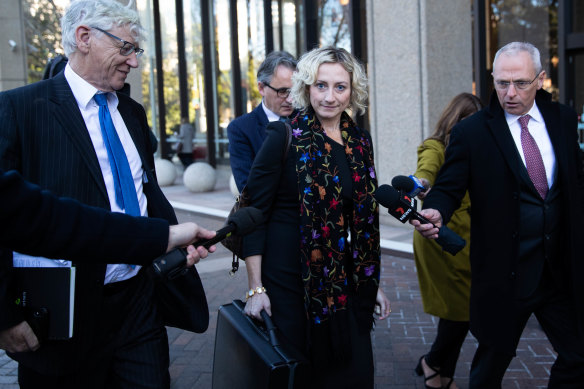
(420, 56)
(12, 45)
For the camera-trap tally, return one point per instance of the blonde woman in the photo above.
(320, 287)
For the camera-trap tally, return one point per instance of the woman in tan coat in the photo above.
(444, 279)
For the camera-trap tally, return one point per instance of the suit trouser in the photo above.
(130, 348)
(446, 347)
(556, 313)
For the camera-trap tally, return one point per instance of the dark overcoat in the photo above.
(482, 157)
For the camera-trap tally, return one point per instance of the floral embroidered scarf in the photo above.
(324, 245)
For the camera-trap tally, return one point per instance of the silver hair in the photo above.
(307, 70)
(271, 63)
(514, 48)
(104, 14)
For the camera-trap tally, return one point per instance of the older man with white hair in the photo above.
(74, 135)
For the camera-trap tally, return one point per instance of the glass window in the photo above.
(578, 16)
(148, 66)
(532, 21)
(223, 76)
(578, 61)
(335, 23)
(289, 27)
(194, 62)
(43, 34)
(252, 48)
(276, 25)
(170, 67)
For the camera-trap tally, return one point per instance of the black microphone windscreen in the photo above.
(403, 183)
(280, 126)
(246, 220)
(386, 195)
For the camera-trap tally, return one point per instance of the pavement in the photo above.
(398, 342)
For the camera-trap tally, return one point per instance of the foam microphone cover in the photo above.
(246, 220)
(403, 183)
(387, 196)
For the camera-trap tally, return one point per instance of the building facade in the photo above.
(201, 57)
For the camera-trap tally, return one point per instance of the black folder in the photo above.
(47, 296)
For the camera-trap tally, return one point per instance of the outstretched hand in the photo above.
(428, 230)
(184, 234)
(426, 184)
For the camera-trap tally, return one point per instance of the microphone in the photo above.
(399, 205)
(403, 207)
(412, 185)
(242, 222)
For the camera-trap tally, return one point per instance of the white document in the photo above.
(23, 260)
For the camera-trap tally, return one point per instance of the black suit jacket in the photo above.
(482, 157)
(44, 137)
(36, 222)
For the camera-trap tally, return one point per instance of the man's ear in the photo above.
(261, 88)
(83, 38)
(540, 79)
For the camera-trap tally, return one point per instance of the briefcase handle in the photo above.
(271, 328)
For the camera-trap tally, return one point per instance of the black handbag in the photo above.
(250, 354)
(234, 242)
(182, 301)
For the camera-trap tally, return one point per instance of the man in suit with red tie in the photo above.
(520, 161)
(74, 135)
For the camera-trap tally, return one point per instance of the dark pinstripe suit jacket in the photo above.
(36, 222)
(44, 137)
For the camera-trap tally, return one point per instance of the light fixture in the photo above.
(12, 45)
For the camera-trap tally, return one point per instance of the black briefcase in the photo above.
(249, 354)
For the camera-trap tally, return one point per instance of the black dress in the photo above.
(273, 187)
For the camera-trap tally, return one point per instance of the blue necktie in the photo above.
(126, 197)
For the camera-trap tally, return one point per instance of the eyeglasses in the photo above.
(504, 85)
(282, 92)
(127, 47)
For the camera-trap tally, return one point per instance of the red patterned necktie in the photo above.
(533, 160)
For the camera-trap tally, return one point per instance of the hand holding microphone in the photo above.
(242, 222)
(403, 207)
(411, 185)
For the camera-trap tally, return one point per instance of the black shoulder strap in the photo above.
(288, 142)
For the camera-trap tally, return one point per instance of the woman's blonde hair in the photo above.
(307, 70)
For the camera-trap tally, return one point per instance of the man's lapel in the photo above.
(134, 128)
(64, 106)
(551, 117)
(158, 205)
(502, 135)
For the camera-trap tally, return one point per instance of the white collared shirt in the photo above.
(537, 129)
(84, 92)
(272, 117)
